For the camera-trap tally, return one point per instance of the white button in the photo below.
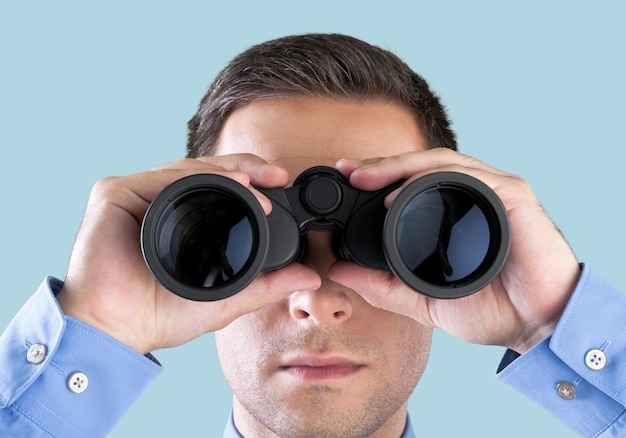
(566, 391)
(77, 382)
(595, 360)
(36, 354)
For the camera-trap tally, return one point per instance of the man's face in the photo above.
(323, 362)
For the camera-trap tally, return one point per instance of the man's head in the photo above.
(322, 362)
(317, 65)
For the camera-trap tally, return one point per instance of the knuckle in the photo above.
(519, 183)
(104, 186)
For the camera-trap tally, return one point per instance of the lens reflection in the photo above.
(205, 238)
(443, 236)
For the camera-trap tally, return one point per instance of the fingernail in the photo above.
(391, 197)
(344, 161)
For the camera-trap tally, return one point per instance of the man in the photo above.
(322, 347)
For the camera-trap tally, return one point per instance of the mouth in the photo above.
(309, 368)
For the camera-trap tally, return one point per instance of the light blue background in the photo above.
(89, 90)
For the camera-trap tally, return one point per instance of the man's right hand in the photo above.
(109, 287)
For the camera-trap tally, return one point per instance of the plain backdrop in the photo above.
(94, 89)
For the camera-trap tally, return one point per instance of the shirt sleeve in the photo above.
(579, 372)
(62, 378)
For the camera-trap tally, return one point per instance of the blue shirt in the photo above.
(40, 353)
(54, 381)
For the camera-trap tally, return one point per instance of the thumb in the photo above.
(270, 287)
(381, 289)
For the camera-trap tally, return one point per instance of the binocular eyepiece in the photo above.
(206, 237)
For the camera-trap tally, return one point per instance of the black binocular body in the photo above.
(205, 237)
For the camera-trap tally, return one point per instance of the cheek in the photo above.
(413, 333)
(236, 352)
(240, 344)
(411, 350)
(239, 335)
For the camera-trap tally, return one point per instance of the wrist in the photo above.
(544, 324)
(79, 310)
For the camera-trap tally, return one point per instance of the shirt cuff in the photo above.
(579, 372)
(65, 377)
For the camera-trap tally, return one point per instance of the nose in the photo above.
(323, 307)
(328, 305)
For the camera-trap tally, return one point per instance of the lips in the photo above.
(311, 368)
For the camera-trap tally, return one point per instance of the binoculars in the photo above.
(205, 237)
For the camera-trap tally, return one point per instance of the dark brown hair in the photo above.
(320, 65)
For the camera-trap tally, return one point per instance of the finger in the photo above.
(512, 189)
(346, 166)
(260, 172)
(381, 289)
(382, 172)
(268, 288)
(249, 170)
(133, 193)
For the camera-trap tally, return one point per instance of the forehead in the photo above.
(298, 133)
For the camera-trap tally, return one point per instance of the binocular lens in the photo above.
(446, 238)
(201, 241)
(204, 239)
(439, 245)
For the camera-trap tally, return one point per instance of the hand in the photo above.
(109, 286)
(521, 306)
